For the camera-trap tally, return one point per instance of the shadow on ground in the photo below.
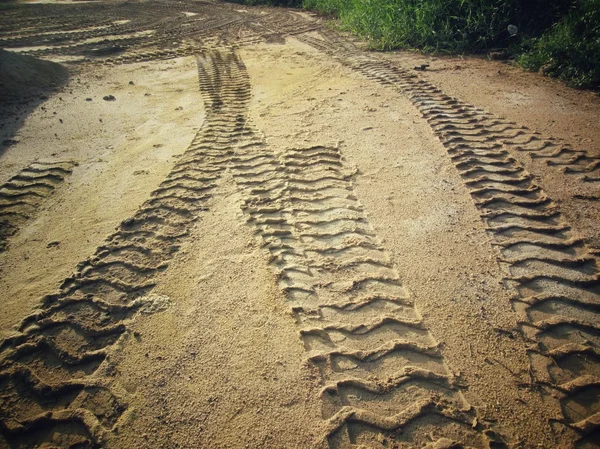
(25, 83)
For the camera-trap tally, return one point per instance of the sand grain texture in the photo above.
(233, 228)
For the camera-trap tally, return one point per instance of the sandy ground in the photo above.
(416, 203)
(226, 363)
(531, 100)
(148, 124)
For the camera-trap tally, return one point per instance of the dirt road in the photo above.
(233, 227)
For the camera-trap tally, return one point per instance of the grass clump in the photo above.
(444, 25)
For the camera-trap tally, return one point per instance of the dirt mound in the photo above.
(25, 76)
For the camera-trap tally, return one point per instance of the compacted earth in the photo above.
(234, 227)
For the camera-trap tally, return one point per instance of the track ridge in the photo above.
(553, 272)
(24, 193)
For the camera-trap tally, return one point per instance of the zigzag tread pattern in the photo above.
(474, 125)
(57, 383)
(383, 372)
(553, 272)
(23, 194)
(384, 376)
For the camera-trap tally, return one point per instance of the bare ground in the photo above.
(272, 238)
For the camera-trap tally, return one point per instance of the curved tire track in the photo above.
(57, 381)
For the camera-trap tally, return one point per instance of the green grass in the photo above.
(560, 36)
(570, 49)
(433, 25)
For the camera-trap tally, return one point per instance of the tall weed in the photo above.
(435, 25)
(560, 36)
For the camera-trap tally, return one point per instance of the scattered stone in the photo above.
(128, 222)
(498, 55)
(131, 83)
(88, 99)
(9, 142)
(421, 67)
(109, 98)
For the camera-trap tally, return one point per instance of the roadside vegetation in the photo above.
(559, 37)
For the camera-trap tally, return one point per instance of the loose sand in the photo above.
(219, 288)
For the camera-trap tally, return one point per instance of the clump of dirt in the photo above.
(23, 76)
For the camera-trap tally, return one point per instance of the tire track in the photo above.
(551, 269)
(384, 376)
(224, 30)
(478, 124)
(57, 382)
(175, 33)
(168, 20)
(22, 195)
